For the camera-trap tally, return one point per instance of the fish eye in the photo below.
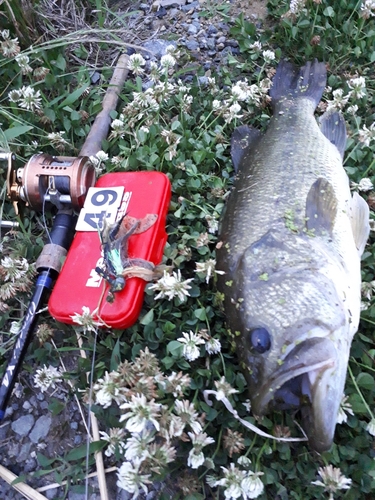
(260, 339)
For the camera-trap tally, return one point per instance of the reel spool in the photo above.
(62, 181)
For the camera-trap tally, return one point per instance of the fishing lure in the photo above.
(117, 266)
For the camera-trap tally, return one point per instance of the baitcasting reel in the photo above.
(62, 181)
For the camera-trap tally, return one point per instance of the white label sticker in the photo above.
(100, 202)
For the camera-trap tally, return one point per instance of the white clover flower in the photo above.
(136, 63)
(23, 63)
(224, 389)
(191, 341)
(366, 135)
(332, 480)
(171, 285)
(251, 485)
(9, 48)
(107, 389)
(86, 320)
(140, 413)
(186, 411)
(97, 161)
(154, 73)
(14, 95)
(231, 481)
(244, 461)
(256, 46)
(102, 156)
(199, 441)
(115, 439)
(30, 99)
(137, 445)
(358, 86)
(144, 129)
(268, 56)
(14, 269)
(172, 50)
(213, 346)
(339, 101)
(345, 408)
(167, 61)
(352, 110)
(232, 112)
(370, 427)
(213, 223)
(5, 34)
(176, 427)
(368, 9)
(47, 377)
(130, 478)
(207, 268)
(216, 105)
(365, 184)
(240, 91)
(296, 6)
(57, 139)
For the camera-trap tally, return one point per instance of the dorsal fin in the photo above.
(243, 141)
(332, 125)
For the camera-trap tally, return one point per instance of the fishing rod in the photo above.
(62, 182)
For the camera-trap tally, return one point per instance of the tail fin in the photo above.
(291, 82)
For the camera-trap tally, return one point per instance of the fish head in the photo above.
(293, 331)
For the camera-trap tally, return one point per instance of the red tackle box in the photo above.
(136, 194)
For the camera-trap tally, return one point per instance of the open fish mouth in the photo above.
(306, 381)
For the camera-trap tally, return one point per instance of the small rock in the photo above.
(22, 425)
(221, 39)
(24, 452)
(211, 43)
(77, 439)
(30, 465)
(3, 431)
(26, 405)
(74, 425)
(167, 3)
(211, 30)
(220, 46)
(144, 6)
(192, 44)
(41, 428)
(157, 46)
(192, 30)
(51, 494)
(40, 396)
(190, 6)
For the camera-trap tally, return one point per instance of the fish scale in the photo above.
(291, 239)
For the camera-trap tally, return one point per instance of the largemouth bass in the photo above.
(292, 236)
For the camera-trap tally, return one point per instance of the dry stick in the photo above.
(63, 483)
(23, 488)
(91, 146)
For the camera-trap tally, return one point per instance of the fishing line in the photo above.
(88, 423)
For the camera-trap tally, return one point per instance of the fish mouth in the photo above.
(308, 380)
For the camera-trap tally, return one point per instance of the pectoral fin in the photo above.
(359, 218)
(321, 207)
